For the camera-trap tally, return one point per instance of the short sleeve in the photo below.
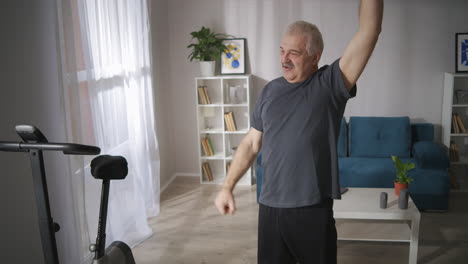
(333, 76)
(257, 121)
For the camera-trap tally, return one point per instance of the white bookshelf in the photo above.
(210, 122)
(456, 101)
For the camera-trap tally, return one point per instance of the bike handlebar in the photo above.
(67, 148)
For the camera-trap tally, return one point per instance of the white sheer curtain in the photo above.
(109, 101)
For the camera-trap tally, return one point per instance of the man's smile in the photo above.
(287, 66)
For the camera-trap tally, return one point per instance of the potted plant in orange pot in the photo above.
(403, 180)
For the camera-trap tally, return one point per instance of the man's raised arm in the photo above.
(360, 48)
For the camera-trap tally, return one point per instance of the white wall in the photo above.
(185, 17)
(30, 94)
(162, 91)
(403, 77)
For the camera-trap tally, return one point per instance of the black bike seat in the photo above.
(106, 167)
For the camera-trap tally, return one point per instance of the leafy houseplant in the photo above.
(208, 48)
(403, 180)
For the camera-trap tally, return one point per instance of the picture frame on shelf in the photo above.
(461, 52)
(233, 60)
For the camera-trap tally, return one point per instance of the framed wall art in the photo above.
(461, 53)
(233, 60)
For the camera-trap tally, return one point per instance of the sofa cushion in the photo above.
(379, 137)
(368, 172)
(422, 132)
(430, 155)
(430, 189)
(343, 139)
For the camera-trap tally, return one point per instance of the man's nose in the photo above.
(285, 57)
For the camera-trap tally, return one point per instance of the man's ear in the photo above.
(316, 57)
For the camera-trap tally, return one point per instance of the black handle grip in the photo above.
(11, 146)
(67, 148)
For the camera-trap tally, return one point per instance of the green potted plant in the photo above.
(402, 180)
(207, 50)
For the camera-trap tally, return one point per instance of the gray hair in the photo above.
(311, 32)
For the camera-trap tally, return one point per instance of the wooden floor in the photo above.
(189, 230)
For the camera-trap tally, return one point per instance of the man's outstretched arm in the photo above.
(360, 48)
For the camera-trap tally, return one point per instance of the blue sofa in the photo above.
(364, 148)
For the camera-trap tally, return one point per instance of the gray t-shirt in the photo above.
(301, 125)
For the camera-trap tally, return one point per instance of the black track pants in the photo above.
(305, 235)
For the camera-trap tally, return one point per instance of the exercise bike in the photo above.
(104, 167)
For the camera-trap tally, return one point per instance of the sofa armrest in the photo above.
(430, 155)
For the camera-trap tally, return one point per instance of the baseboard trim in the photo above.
(168, 182)
(187, 174)
(174, 176)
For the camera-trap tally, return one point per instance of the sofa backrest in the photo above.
(419, 132)
(379, 137)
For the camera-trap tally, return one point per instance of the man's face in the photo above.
(297, 65)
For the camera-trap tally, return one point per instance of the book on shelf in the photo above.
(230, 121)
(204, 171)
(210, 145)
(204, 147)
(460, 124)
(454, 155)
(203, 94)
(226, 122)
(455, 128)
(207, 146)
(210, 174)
(452, 127)
(207, 171)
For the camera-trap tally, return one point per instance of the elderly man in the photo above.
(296, 122)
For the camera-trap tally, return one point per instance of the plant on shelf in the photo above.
(402, 180)
(208, 48)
